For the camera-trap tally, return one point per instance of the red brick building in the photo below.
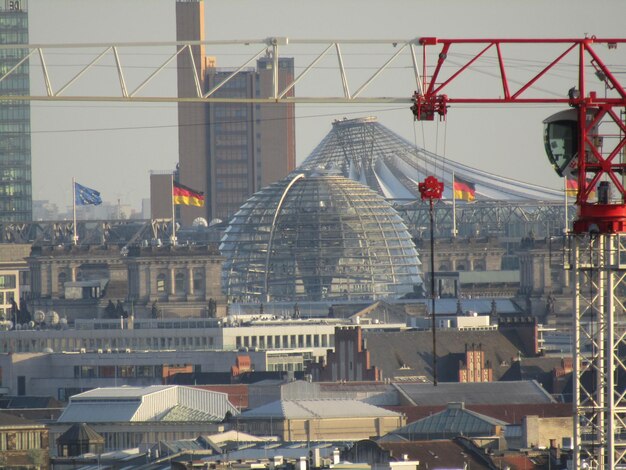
(350, 361)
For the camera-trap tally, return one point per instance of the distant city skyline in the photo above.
(112, 147)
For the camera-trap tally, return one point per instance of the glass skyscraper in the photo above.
(15, 143)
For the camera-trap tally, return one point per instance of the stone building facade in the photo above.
(82, 281)
(174, 274)
(23, 443)
(462, 254)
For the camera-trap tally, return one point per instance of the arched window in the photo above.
(161, 283)
(179, 283)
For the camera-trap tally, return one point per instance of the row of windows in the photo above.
(238, 185)
(232, 111)
(13, 37)
(285, 367)
(231, 125)
(16, 216)
(12, 192)
(8, 281)
(232, 169)
(13, 19)
(286, 341)
(15, 85)
(113, 371)
(14, 112)
(14, 158)
(108, 344)
(180, 283)
(15, 127)
(15, 173)
(13, 205)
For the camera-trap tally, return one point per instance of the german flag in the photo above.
(464, 190)
(187, 196)
(571, 187)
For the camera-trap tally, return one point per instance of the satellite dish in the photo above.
(31, 324)
(52, 317)
(215, 221)
(40, 316)
(199, 222)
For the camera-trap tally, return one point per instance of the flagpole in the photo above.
(75, 237)
(453, 208)
(566, 227)
(173, 213)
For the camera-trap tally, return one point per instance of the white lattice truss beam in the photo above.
(396, 62)
(599, 263)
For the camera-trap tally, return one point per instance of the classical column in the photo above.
(54, 280)
(190, 280)
(172, 281)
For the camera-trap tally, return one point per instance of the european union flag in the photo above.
(85, 196)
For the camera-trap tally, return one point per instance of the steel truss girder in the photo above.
(89, 231)
(492, 217)
(599, 264)
(396, 62)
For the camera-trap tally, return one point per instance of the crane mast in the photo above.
(596, 248)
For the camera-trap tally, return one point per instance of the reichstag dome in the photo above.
(314, 236)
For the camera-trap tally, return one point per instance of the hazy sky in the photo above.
(113, 147)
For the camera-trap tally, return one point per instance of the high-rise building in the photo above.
(250, 145)
(229, 150)
(192, 117)
(15, 148)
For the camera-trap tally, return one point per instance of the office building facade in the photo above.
(250, 145)
(15, 141)
(229, 150)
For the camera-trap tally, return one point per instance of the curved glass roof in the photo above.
(364, 150)
(316, 236)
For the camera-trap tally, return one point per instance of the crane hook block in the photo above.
(431, 188)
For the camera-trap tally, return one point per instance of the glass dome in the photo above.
(316, 236)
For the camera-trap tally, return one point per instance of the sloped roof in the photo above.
(233, 435)
(354, 386)
(435, 454)
(181, 413)
(124, 404)
(9, 420)
(80, 433)
(24, 402)
(521, 392)
(106, 412)
(383, 312)
(410, 352)
(511, 413)
(534, 368)
(454, 420)
(119, 392)
(320, 408)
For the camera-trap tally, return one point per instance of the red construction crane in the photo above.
(585, 142)
(591, 166)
